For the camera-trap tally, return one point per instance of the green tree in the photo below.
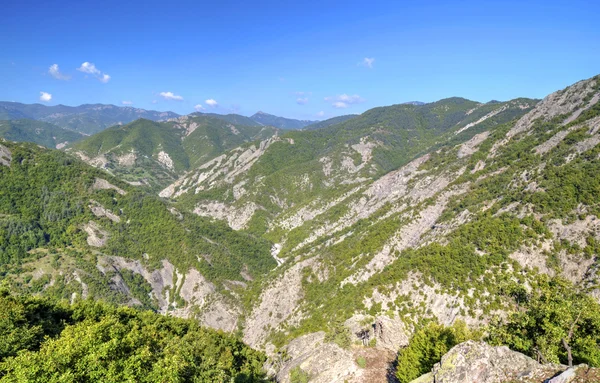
(556, 323)
(95, 342)
(428, 345)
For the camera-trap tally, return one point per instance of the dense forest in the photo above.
(46, 341)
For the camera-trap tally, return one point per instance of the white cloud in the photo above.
(170, 96)
(199, 107)
(45, 96)
(127, 102)
(90, 68)
(344, 100)
(302, 100)
(55, 72)
(320, 114)
(154, 102)
(368, 62)
(212, 103)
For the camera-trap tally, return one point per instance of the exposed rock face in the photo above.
(562, 102)
(236, 218)
(389, 333)
(223, 169)
(276, 303)
(199, 295)
(411, 234)
(163, 158)
(482, 119)
(323, 362)
(479, 362)
(5, 156)
(99, 161)
(96, 236)
(100, 211)
(470, 146)
(102, 184)
(127, 159)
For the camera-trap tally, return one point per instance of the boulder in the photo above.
(479, 362)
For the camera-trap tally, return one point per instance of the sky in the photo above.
(306, 60)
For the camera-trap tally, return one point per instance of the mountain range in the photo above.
(86, 119)
(339, 248)
(93, 118)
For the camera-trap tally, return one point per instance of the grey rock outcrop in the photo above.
(479, 362)
(323, 362)
(102, 184)
(5, 156)
(97, 237)
(100, 211)
(388, 333)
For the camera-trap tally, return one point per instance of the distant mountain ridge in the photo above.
(87, 118)
(280, 122)
(330, 122)
(39, 132)
(231, 118)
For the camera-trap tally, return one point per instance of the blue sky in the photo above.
(292, 58)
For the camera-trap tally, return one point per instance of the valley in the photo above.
(335, 250)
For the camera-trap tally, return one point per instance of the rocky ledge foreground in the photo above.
(478, 362)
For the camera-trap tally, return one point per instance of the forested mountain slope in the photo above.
(411, 213)
(270, 185)
(327, 246)
(329, 122)
(232, 118)
(71, 231)
(155, 153)
(41, 133)
(266, 119)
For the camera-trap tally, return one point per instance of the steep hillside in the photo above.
(411, 213)
(41, 133)
(72, 231)
(332, 249)
(154, 153)
(87, 118)
(266, 119)
(307, 171)
(444, 235)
